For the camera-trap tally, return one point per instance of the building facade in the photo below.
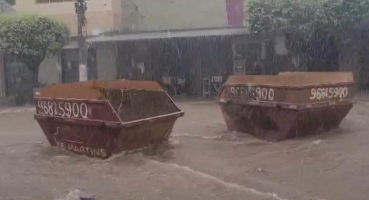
(128, 16)
(143, 15)
(102, 15)
(140, 15)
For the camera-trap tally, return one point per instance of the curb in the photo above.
(16, 110)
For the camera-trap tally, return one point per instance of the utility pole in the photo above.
(81, 7)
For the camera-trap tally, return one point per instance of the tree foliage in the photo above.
(307, 16)
(315, 28)
(31, 37)
(27, 40)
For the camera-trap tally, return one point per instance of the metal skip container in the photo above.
(102, 118)
(290, 104)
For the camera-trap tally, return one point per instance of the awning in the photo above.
(170, 34)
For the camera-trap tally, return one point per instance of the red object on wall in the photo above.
(235, 12)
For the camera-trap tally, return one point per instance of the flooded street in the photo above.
(100, 74)
(203, 161)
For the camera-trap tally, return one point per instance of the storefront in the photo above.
(186, 62)
(193, 62)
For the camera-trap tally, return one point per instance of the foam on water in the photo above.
(199, 136)
(72, 195)
(226, 184)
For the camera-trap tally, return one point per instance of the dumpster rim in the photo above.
(99, 100)
(178, 114)
(107, 123)
(284, 105)
(127, 123)
(290, 86)
(72, 99)
(124, 89)
(71, 120)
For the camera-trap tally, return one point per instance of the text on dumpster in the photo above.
(328, 93)
(63, 109)
(95, 152)
(254, 93)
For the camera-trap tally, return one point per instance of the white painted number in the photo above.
(265, 94)
(63, 109)
(84, 110)
(68, 108)
(328, 93)
(258, 93)
(75, 110)
(271, 94)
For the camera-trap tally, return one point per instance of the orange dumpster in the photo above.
(290, 104)
(102, 118)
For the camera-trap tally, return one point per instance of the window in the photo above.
(53, 1)
(10, 2)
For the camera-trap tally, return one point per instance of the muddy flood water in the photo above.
(202, 161)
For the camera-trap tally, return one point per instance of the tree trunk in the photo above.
(29, 78)
(33, 64)
(35, 77)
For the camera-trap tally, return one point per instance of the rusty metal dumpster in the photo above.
(291, 104)
(101, 118)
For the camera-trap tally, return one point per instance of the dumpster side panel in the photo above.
(325, 119)
(271, 124)
(140, 104)
(276, 124)
(85, 127)
(139, 136)
(48, 130)
(87, 140)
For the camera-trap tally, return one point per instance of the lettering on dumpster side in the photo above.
(254, 93)
(328, 93)
(63, 109)
(95, 152)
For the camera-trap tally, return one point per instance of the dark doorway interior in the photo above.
(70, 65)
(92, 64)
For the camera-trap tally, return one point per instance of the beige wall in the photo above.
(100, 13)
(118, 13)
(177, 14)
(152, 14)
